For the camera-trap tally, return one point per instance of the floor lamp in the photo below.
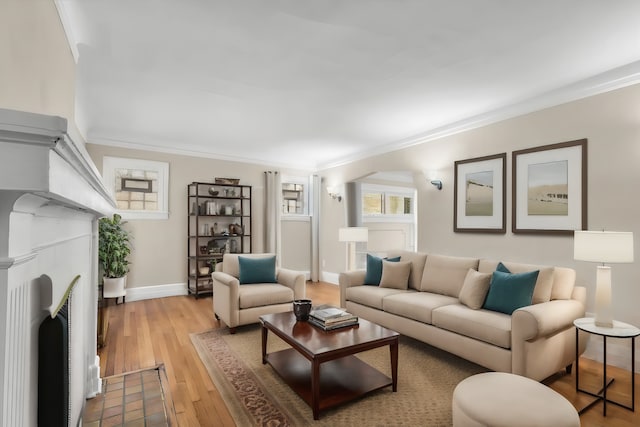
(352, 235)
(603, 247)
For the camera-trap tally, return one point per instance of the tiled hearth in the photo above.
(132, 399)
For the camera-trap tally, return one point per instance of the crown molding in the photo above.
(617, 78)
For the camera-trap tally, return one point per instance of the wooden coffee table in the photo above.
(321, 367)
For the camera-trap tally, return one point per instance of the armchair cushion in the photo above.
(257, 270)
(263, 294)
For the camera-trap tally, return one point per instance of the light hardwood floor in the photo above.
(143, 334)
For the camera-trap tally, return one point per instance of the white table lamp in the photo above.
(351, 235)
(603, 247)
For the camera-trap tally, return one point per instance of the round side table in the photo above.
(619, 330)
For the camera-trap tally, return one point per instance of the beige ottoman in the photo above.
(500, 399)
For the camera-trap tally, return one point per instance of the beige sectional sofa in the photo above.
(535, 341)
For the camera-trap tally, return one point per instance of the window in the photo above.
(378, 202)
(295, 197)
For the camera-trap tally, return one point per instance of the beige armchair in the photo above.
(237, 304)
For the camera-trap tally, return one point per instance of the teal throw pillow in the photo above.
(257, 270)
(374, 269)
(502, 267)
(508, 292)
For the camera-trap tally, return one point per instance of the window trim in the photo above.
(387, 191)
(306, 197)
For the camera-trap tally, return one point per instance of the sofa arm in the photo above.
(226, 303)
(543, 338)
(294, 280)
(540, 320)
(348, 279)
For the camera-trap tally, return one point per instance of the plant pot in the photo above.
(114, 287)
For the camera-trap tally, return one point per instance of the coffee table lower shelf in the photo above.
(341, 380)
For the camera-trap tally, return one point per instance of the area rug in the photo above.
(256, 396)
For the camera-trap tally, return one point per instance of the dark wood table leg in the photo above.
(315, 388)
(264, 344)
(393, 349)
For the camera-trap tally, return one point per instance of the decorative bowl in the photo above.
(301, 309)
(213, 192)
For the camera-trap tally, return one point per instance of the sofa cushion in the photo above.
(564, 280)
(474, 289)
(370, 295)
(258, 295)
(257, 270)
(508, 292)
(417, 260)
(395, 274)
(374, 269)
(416, 305)
(544, 283)
(445, 274)
(484, 325)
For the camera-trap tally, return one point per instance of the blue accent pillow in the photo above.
(374, 269)
(508, 292)
(502, 267)
(257, 270)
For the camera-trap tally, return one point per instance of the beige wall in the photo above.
(611, 123)
(37, 67)
(160, 246)
(296, 244)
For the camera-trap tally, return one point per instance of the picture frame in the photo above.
(139, 187)
(550, 189)
(479, 195)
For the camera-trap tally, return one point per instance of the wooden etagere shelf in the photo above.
(219, 222)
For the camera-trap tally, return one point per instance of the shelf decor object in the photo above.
(219, 222)
(603, 247)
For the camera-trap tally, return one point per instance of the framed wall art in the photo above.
(139, 187)
(479, 195)
(550, 188)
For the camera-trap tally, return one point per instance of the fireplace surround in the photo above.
(51, 197)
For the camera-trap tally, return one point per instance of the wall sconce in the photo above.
(437, 183)
(334, 193)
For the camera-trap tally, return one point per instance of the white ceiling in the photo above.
(315, 83)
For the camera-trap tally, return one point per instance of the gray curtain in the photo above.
(315, 227)
(273, 208)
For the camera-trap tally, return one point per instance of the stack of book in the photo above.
(329, 318)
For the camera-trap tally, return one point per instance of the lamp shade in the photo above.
(603, 246)
(353, 234)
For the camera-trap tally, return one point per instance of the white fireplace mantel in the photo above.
(39, 156)
(51, 197)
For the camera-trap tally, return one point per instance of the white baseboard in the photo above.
(330, 277)
(94, 382)
(156, 291)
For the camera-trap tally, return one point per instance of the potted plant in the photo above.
(113, 250)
